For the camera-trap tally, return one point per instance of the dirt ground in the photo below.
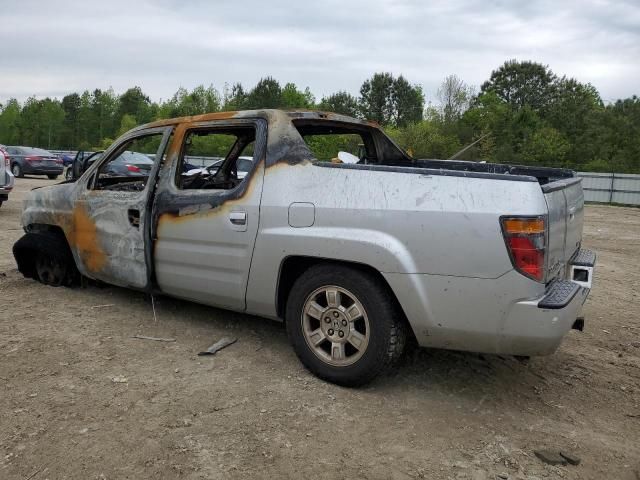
(80, 398)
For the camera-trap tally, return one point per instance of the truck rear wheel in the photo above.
(344, 324)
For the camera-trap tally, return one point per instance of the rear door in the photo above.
(111, 214)
(565, 202)
(206, 228)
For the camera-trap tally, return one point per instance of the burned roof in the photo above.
(262, 113)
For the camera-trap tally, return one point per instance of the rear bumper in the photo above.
(537, 327)
(41, 170)
(509, 315)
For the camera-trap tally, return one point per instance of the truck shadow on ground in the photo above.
(462, 373)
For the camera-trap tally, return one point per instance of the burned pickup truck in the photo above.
(355, 256)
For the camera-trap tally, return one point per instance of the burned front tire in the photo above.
(344, 324)
(51, 270)
(46, 257)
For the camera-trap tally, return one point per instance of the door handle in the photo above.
(238, 218)
(134, 217)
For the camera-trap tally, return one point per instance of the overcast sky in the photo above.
(52, 48)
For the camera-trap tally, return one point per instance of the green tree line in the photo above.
(523, 113)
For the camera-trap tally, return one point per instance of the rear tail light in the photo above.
(59, 160)
(526, 242)
(7, 161)
(133, 168)
(32, 159)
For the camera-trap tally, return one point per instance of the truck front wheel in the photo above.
(46, 257)
(344, 324)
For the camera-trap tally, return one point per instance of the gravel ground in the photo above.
(80, 398)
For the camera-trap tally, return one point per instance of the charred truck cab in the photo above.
(353, 257)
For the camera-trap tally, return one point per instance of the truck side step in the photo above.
(584, 258)
(559, 294)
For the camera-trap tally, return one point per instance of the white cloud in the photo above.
(54, 48)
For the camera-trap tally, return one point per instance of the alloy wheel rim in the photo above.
(335, 325)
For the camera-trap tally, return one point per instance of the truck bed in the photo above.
(544, 175)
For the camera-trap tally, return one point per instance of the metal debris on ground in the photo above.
(104, 306)
(219, 345)
(156, 339)
(551, 457)
(153, 306)
(570, 457)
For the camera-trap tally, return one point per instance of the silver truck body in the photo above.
(433, 233)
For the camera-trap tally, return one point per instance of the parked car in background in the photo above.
(78, 166)
(128, 164)
(6, 178)
(243, 166)
(34, 161)
(67, 159)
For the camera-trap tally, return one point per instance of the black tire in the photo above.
(46, 257)
(16, 169)
(52, 177)
(68, 174)
(387, 331)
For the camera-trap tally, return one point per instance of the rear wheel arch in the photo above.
(293, 267)
(332, 340)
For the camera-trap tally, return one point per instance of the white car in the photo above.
(243, 165)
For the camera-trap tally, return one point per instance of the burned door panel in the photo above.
(204, 238)
(109, 225)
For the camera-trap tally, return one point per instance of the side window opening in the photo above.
(216, 158)
(338, 143)
(129, 167)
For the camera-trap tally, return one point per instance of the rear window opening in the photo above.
(326, 145)
(343, 142)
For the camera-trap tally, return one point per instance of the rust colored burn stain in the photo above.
(176, 143)
(205, 117)
(223, 208)
(84, 238)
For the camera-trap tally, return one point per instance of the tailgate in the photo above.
(565, 202)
